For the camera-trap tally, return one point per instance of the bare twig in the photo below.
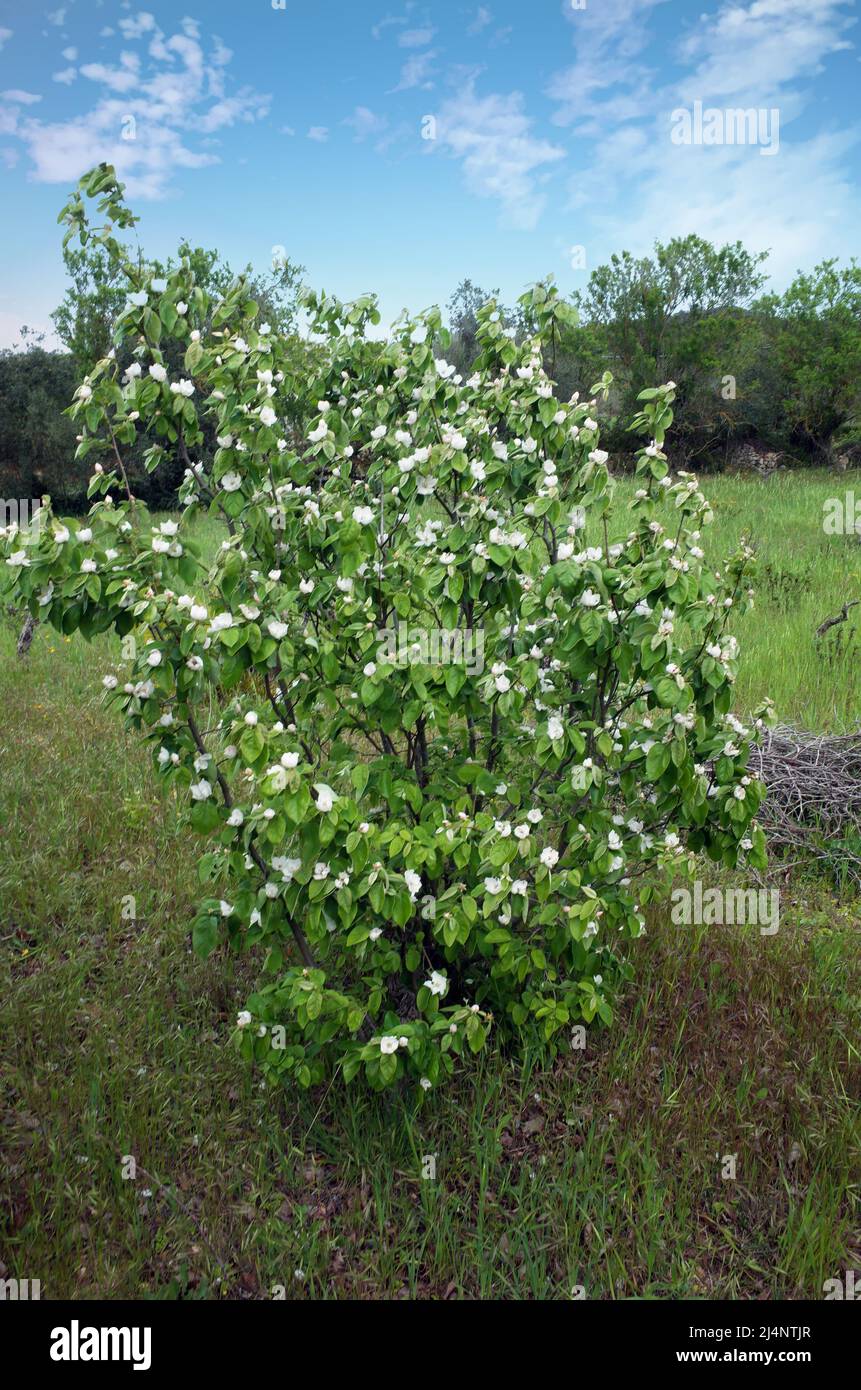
(838, 617)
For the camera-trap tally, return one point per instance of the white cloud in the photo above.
(5, 36)
(219, 60)
(752, 53)
(320, 133)
(416, 38)
(65, 75)
(70, 54)
(483, 17)
(137, 26)
(365, 123)
(502, 159)
(19, 98)
(741, 53)
(245, 106)
(175, 92)
(607, 38)
(124, 78)
(64, 150)
(386, 23)
(56, 17)
(415, 72)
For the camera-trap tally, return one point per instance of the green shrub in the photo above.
(424, 846)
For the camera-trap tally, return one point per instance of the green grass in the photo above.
(602, 1171)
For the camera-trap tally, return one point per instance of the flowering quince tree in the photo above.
(423, 850)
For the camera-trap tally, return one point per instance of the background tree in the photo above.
(84, 319)
(97, 293)
(37, 441)
(814, 331)
(681, 314)
(463, 307)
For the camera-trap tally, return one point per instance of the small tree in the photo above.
(435, 743)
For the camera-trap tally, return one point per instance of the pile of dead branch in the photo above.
(813, 806)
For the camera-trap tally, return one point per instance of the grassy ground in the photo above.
(604, 1173)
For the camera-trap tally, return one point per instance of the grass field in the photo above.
(607, 1173)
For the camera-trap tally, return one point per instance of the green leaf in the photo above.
(204, 936)
(359, 775)
(657, 761)
(251, 744)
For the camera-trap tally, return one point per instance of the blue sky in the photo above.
(257, 126)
